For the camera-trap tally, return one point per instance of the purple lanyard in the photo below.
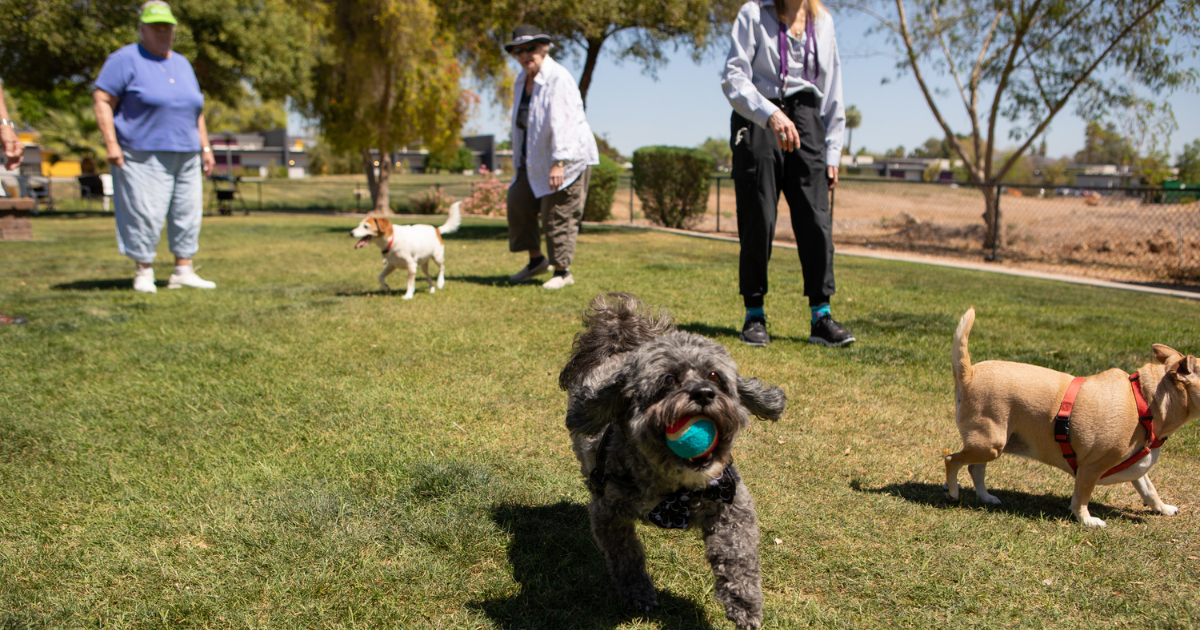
(810, 47)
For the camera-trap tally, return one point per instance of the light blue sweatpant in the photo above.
(156, 187)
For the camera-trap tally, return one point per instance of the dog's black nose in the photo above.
(703, 394)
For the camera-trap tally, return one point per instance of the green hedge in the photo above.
(672, 183)
(601, 190)
(456, 162)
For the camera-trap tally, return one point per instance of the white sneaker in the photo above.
(143, 281)
(187, 278)
(558, 282)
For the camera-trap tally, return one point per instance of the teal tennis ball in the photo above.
(692, 436)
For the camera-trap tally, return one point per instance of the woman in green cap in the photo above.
(149, 108)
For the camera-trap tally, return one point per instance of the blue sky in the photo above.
(685, 105)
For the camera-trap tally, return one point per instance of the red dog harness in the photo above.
(1062, 426)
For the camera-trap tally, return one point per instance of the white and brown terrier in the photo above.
(407, 246)
(1105, 429)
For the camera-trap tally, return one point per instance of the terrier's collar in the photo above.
(391, 239)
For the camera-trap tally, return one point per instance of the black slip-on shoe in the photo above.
(828, 332)
(754, 332)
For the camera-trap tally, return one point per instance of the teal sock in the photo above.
(818, 312)
(755, 312)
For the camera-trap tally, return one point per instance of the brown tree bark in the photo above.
(379, 186)
(382, 197)
(589, 66)
(993, 223)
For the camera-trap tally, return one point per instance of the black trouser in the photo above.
(761, 170)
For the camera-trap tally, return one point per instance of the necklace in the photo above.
(164, 71)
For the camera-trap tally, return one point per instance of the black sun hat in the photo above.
(524, 34)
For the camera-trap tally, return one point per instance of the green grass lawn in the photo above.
(297, 450)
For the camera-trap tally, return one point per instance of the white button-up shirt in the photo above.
(557, 128)
(751, 74)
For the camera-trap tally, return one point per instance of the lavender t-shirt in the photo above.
(160, 100)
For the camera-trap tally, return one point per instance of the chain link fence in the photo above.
(337, 193)
(1149, 235)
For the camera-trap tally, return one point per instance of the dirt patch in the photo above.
(1110, 237)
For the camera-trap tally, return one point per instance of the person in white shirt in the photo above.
(786, 136)
(553, 152)
(14, 150)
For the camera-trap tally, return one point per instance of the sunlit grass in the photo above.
(295, 449)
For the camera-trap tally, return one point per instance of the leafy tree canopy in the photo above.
(1188, 163)
(1104, 144)
(251, 114)
(55, 46)
(719, 149)
(387, 76)
(633, 29)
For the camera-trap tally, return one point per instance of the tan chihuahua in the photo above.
(1005, 407)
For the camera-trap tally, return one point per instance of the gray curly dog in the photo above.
(630, 376)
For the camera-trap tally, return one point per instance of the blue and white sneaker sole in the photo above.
(757, 344)
(826, 342)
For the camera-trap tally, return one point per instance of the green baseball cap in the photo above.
(157, 13)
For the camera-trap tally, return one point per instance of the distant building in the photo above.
(909, 169)
(1102, 175)
(260, 152)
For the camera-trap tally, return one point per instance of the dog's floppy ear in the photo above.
(1163, 354)
(383, 226)
(765, 402)
(1184, 369)
(595, 408)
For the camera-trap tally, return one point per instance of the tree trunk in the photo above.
(589, 65)
(377, 185)
(383, 204)
(369, 169)
(993, 223)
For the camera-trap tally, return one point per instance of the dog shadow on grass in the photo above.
(563, 580)
(1022, 504)
(118, 284)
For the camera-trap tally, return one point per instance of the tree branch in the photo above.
(1080, 80)
(972, 168)
(1018, 37)
(976, 76)
(937, 22)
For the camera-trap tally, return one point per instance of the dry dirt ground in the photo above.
(1111, 237)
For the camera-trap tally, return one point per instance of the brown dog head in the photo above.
(370, 228)
(1181, 377)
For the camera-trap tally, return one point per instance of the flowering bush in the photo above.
(432, 201)
(488, 197)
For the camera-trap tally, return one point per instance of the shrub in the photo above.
(489, 197)
(601, 190)
(672, 183)
(432, 201)
(456, 161)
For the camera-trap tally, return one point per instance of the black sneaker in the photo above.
(828, 332)
(754, 332)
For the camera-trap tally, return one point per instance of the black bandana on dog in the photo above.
(675, 511)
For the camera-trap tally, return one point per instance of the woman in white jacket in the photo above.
(553, 152)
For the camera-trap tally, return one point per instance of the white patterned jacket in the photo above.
(557, 129)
